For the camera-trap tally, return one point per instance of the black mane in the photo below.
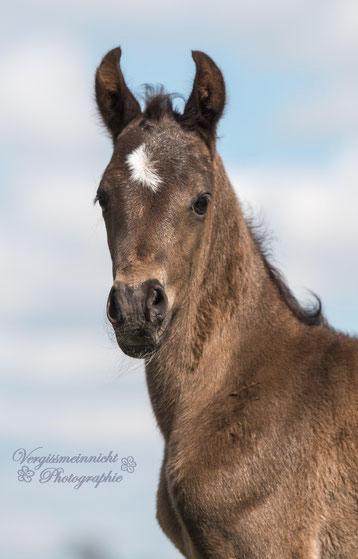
(158, 103)
(311, 315)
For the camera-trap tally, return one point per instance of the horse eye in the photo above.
(201, 204)
(102, 199)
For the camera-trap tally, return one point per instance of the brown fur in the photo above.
(256, 398)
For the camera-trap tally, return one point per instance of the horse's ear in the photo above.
(115, 101)
(207, 99)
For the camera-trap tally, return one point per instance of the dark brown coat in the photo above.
(256, 397)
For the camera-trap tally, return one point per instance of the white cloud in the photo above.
(54, 253)
(57, 357)
(79, 422)
(331, 113)
(20, 533)
(324, 32)
(46, 94)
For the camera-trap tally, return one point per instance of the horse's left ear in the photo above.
(115, 101)
(206, 103)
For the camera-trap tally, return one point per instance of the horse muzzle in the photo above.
(139, 315)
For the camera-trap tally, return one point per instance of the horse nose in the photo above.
(145, 303)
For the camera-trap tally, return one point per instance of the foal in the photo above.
(255, 396)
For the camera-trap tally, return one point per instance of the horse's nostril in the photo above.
(158, 296)
(113, 308)
(156, 303)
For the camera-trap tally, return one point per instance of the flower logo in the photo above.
(128, 464)
(25, 474)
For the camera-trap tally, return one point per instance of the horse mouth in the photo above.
(138, 344)
(137, 351)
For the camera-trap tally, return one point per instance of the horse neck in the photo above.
(231, 305)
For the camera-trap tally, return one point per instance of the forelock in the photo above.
(158, 103)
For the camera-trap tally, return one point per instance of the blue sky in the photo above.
(289, 139)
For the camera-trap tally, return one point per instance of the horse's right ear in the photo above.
(115, 101)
